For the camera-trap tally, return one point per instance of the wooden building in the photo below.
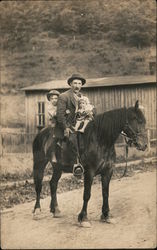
(104, 93)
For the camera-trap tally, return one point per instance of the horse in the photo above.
(97, 156)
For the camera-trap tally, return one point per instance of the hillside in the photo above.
(45, 40)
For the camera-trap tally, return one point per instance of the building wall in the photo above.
(32, 100)
(104, 99)
(109, 98)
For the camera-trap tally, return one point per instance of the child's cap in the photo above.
(51, 93)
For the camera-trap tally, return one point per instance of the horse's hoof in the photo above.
(85, 224)
(108, 220)
(37, 211)
(57, 213)
(36, 214)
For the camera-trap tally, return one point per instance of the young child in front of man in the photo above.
(84, 114)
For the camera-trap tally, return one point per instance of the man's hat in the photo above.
(52, 92)
(76, 76)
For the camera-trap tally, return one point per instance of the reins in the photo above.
(128, 140)
(126, 157)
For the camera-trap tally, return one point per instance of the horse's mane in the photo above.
(106, 127)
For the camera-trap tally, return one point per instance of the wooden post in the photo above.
(1, 145)
(25, 142)
(148, 136)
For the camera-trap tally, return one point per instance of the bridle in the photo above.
(129, 139)
(133, 135)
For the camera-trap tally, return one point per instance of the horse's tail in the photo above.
(39, 156)
(42, 143)
(37, 145)
(39, 164)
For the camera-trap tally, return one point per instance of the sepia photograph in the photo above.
(78, 121)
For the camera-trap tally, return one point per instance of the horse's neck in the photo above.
(113, 130)
(121, 121)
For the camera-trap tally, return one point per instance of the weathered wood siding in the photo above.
(32, 100)
(103, 98)
(109, 98)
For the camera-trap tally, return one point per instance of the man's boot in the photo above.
(78, 169)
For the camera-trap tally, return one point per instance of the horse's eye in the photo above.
(140, 121)
(134, 118)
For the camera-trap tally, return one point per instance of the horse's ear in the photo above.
(136, 105)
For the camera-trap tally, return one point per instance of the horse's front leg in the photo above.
(88, 179)
(105, 180)
(53, 187)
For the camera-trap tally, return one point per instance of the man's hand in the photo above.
(67, 132)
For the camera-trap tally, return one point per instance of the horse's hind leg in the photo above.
(105, 179)
(38, 173)
(53, 187)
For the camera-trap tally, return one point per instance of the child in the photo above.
(84, 114)
(52, 97)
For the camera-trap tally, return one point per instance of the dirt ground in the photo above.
(132, 203)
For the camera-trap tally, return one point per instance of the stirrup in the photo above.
(78, 169)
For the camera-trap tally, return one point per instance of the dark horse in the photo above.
(97, 156)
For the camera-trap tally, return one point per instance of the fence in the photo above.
(22, 142)
(16, 143)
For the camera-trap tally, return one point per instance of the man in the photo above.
(66, 113)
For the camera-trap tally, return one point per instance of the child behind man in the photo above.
(52, 97)
(84, 114)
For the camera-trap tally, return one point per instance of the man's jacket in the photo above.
(66, 112)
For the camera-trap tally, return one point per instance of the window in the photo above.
(152, 68)
(41, 115)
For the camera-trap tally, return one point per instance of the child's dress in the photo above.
(83, 116)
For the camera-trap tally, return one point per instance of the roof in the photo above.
(95, 82)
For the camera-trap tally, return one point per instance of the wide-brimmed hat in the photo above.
(76, 76)
(52, 92)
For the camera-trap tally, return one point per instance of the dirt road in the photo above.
(132, 203)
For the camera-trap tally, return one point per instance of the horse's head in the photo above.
(135, 127)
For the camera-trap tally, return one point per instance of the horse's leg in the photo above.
(105, 179)
(38, 173)
(53, 187)
(88, 179)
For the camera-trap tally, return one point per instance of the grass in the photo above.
(16, 167)
(19, 166)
